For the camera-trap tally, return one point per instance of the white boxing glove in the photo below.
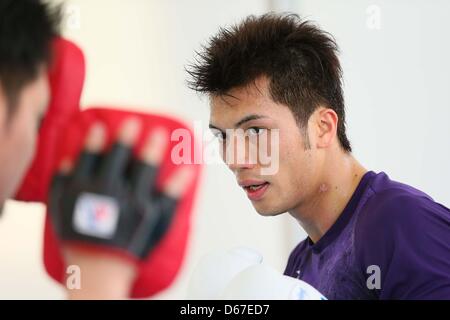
(239, 274)
(261, 282)
(215, 271)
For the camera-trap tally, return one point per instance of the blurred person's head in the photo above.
(275, 72)
(27, 28)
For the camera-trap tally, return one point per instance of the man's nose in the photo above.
(238, 154)
(236, 166)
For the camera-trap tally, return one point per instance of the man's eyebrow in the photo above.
(248, 118)
(241, 122)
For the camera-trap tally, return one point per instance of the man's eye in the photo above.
(255, 131)
(221, 136)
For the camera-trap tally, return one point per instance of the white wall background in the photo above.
(396, 84)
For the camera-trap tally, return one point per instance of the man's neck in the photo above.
(335, 188)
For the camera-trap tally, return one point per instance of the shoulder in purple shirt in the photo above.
(389, 232)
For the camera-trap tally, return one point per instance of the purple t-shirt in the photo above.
(390, 242)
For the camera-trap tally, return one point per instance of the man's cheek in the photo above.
(269, 153)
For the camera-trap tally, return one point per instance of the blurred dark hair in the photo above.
(27, 28)
(299, 59)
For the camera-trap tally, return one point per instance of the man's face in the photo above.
(18, 132)
(252, 110)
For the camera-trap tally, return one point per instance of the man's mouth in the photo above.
(255, 189)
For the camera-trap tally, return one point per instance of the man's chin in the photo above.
(266, 211)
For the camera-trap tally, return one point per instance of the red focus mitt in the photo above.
(158, 263)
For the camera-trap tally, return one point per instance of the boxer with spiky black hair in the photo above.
(369, 237)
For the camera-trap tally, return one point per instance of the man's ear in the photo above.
(325, 122)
